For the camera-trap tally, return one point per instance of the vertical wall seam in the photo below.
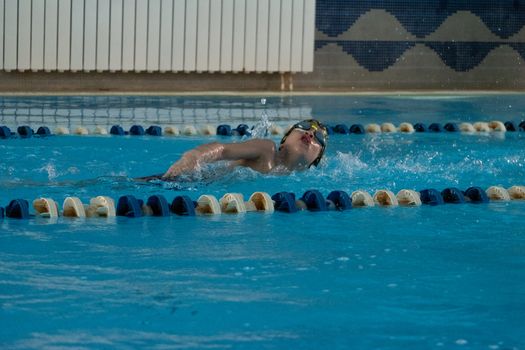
(122, 38)
(96, 36)
(256, 34)
(31, 35)
(303, 34)
(196, 36)
(160, 36)
(184, 36)
(44, 41)
(84, 35)
(233, 34)
(279, 50)
(172, 34)
(3, 38)
(244, 39)
(134, 35)
(109, 35)
(220, 37)
(291, 36)
(268, 38)
(209, 35)
(17, 30)
(147, 34)
(70, 32)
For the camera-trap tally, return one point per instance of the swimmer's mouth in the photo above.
(306, 140)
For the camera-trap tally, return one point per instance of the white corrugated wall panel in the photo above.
(226, 35)
(203, 30)
(115, 35)
(238, 35)
(158, 35)
(214, 53)
(128, 36)
(178, 34)
(103, 35)
(297, 36)
(37, 35)
(90, 35)
(285, 36)
(261, 52)
(190, 38)
(153, 36)
(309, 36)
(51, 34)
(166, 22)
(250, 35)
(274, 29)
(77, 35)
(141, 35)
(64, 35)
(2, 34)
(24, 34)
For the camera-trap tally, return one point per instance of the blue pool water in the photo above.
(446, 277)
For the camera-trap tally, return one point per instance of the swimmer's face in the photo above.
(302, 148)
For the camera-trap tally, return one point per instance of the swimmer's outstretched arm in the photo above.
(213, 152)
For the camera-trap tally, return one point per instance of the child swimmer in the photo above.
(300, 148)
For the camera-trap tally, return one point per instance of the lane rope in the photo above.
(234, 203)
(25, 131)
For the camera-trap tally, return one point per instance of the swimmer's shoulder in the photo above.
(262, 144)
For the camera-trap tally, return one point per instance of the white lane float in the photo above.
(408, 198)
(46, 207)
(497, 193)
(385, 198)
(362, 198)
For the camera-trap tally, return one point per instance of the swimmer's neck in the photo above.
(283, 163)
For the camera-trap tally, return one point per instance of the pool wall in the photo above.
(359, 45)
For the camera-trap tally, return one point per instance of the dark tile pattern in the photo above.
(421, 18)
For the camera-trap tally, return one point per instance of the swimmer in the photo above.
(300, 148)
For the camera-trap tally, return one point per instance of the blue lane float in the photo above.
(154, 130)
(25, 131)
(453, 195)
(451, 127)
(341, 129)
(136, 130)
(43, 131)
(314, 200)
(5, 132)
(242, 130)
(117, 130)
(511, 126)
(476, 195)
(285, 202)
(129, 206)
(435, 127)
(183, 205)
(340, 199)
(431, 197)
(224, 130)
(420, 127)
(17, 209)
(159, 205)
(357, 129)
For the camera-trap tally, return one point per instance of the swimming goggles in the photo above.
(320, 134)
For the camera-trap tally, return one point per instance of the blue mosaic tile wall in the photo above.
(422, 24)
